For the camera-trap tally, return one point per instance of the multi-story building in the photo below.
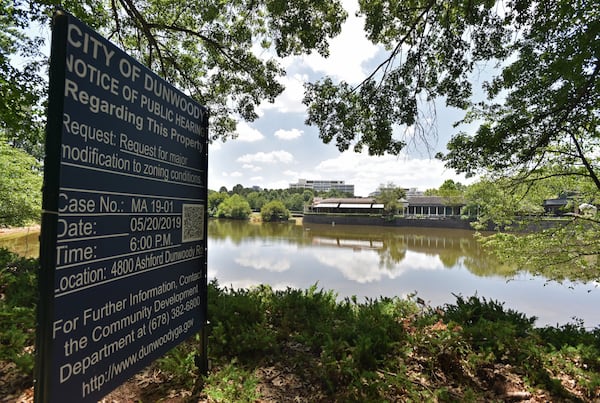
(323, 185)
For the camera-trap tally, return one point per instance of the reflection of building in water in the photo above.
(417, 243)
(393, 246)
(413, 205)
(348, 243)
(421, 243)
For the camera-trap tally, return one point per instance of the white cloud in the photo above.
(272, 157)
(215, 146)
(277, 184)
(348, 51)
(235, 174)
(256, 179)
(290, 100)
(288, 172)
(366, 172)
(252, 168)
(262, 262)
(247, 133)
(364, 266)
(289, 134)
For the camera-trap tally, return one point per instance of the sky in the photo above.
(278, 148)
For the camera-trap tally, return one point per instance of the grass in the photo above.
(307, 345)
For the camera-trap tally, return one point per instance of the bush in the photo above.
(18, 286)
(234, 207)
(274, 211)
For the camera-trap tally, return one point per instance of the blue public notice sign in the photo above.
(123, 244)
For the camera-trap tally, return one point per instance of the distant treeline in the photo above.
(240, 201)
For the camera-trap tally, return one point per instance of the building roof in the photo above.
(347, 200)
(555, 202)
(366, 202)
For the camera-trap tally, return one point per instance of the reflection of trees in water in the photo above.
(483, 264)
(392, 253)
(453, 247)
(238, 230)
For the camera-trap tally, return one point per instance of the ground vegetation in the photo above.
(310, 346)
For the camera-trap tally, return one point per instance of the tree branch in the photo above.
(585, 161)
(394, 52)
(138, 18)
(204, 38)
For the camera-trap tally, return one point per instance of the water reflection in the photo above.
(424, 248)
(377, 261)
(25, 243)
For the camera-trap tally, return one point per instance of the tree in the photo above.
(207, 49)
(545, 53)
(238, 189)
(538, 121)
(215, 199)
(448, 189)
(389, 196)
(20, 186)
(256, 200)
(307, 196)
(452, 192)
(274, 211)
(295, 202)
(21, 85)
(234, 207)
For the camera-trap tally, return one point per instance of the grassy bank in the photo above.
(306, 345)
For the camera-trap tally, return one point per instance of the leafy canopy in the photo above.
(235, 207)
(545, 97)
(274, 211)
(223, 53)
(390, 195)
(20, 186)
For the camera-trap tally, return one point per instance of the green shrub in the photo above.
(488, 327)
(274, 211)
(235, 207)
(18, 286)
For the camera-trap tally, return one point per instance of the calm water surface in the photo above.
(378, 261)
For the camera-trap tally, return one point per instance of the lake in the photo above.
(369, 262)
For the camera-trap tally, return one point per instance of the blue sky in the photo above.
(278, 148)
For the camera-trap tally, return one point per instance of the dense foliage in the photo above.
(18, 287)
(20, 186)
(208, 49)
(390, 195)
(544, 95)
(321, 349)
(22, 87)
(274, 211)
(234, 207)
(292, 199)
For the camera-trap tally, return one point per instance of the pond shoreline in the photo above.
(9, 232)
